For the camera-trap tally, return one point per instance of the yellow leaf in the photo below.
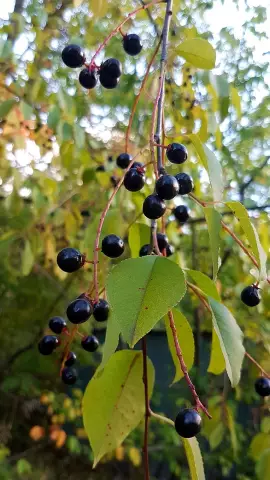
(99, 8)
(198, 52)
(135, 456)
(236, 101)
(217, 362)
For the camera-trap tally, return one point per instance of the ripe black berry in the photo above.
(145, 250)
(101, 310)
(176, 153)
(167, 187)
(79, 311)
(123, 160)
(112, 246)
(101, 168)
(88, 79)
(70, 260)
(153, 207)
(137, 165)
(57, 324)
(185, 183)
(132, 44)
(85, 213)
(90, 343)
(111, 68)
(188, 423)
(108, 81)
(73, 56)
(250, 296)
(71, 359)
(169, 250)
(162, 241)
(181, 213)
(69, 375)
(110, 158)
(262, 386)
(134, 180)
(48, 344)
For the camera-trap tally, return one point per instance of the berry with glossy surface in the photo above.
(123, 160)
(48, 344)
(132, 44)
(250, 296)
(137, 165)
(88, 79)
(70, 260)
(181, 213)
(112, 246)
(188, 423)
(262, 386)
(69, 375)
(71, 359)
(176, 153)
(169, 250)
(73, 56)
(134, 180)
(185, 183)
(90, 343)
(101, 310)
(145, 250)
(153, 207)
(162, 241)
(79, 311)
(167, 187)
(108, 81)
(57, 324)
(111, 67)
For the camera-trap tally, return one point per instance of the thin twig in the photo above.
(257, 365)
(147, 410)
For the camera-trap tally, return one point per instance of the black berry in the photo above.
(112, 246)
(73, 56)
(108, 81)
(48, 344)
(123, 160)
(110, 158)
(250, 296)
(69, 375)
(132, 44)
(57, 324)
(101, 310)
(137, 165)
(90, 343)
(79, 311)
(181, 213)
(134, 180)
(70, 260)
(162, 241)
(114, 180)
(145, 250)
(71, 359)
(153, 207)
(88, 79)
(185, 183)
(188, 423)
(111, 68)
(167, 187)
(101, 168)
(176, 153)
(85, 213)
(169, 250)
(262, 386)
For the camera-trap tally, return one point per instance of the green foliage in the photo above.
(198, 52)
(194, 458)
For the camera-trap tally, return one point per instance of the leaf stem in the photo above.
(147, 410)
(161, 418)
(257, 365)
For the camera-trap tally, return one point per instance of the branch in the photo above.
(149, 14)
(257, 365)
(147, 410)
(253, 175)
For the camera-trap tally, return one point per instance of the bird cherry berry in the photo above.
(90, 343)
(188, 423)
(79, 311)
(111, 68)
(69, 375)
(107, 81)
(181, 213)
(70, 260)
(176, 153)
(48, 344)
(134, 180)
(112, 246)
(162, 241)
(250, 296)
(57, 324)
(138, 165)
(262, 386)
(132, 44)
(145, 250)
(88, 78)
(73, 56)
(185, 183)
(153, 207)
(169, 250)
(101, 168)
(101, 310)
(71, 359)
(123, 160)
(167, 187)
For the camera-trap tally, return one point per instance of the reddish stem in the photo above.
(153, 122)
(257, 365)
(198, 403)
(67, 349)
(147, 410)
(161, 146)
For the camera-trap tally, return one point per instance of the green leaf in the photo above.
(138, 235)
(231, 426)
(206, 285)
(23, 467)
(263, 466)
(6, 107)
(231, 339)
(216, 436)
(213, 219)
(27, 110)
(252, 236)
(259, 444)
(54, 117)
(113, 403)
(111, 340)
(147, 293)
(236, 101)
(27, 259)
(79, 136)
(194, 458)
(186, 341)
(198, 52)
(217, 363)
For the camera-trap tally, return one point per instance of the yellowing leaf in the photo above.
(194, 458)
(217, 362)
(236, 101)
(263, 465)
(259, 444)
(213, 219)
(99, 8)
(198, 52)
(138, 235)
(135, 456)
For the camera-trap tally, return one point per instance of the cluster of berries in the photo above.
(109, 71)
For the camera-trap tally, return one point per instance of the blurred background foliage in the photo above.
(54, 135)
